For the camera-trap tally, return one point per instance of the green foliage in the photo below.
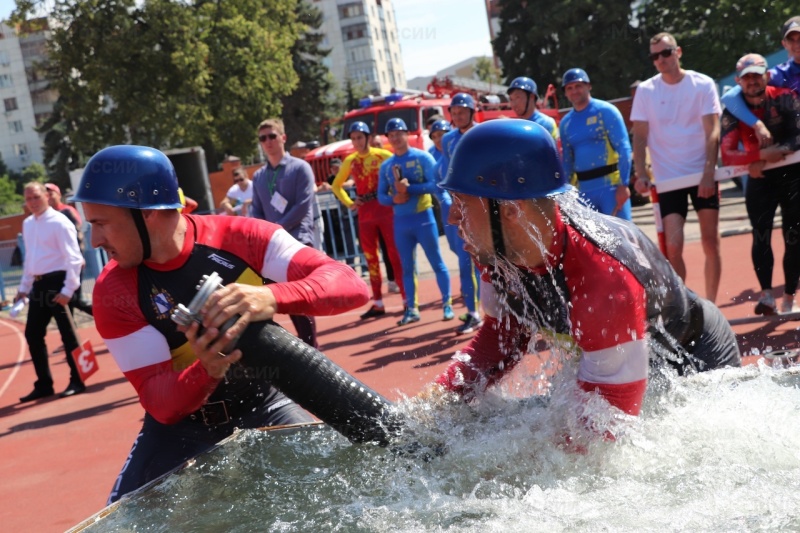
(310, 103)
(610, 40)
(34, 172)
(167, 73)
(713, 35)
(10, 201)
(486, 71)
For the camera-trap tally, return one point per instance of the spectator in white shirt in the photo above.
(239, 197)
(50, 278)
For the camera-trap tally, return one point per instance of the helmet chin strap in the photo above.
(138, 219)
(496, 227)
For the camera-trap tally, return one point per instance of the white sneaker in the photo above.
(789, 306)
(393, 288)
(766, 304)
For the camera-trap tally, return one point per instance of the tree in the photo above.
(486, 71)
(542, 39)
(168, 73)
(713, 35)
(310, 103)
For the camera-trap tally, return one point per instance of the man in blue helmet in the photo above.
(407, 183)
(191, 385)
(436, 132)
(595, 147)
(462, 113)
(578, 277)
(375, 221)
(522, 96)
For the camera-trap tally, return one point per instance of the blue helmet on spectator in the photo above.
(396, 124)
(524, 84)
(574, 75)
(463, 100)
(359, 126)
(441, 125)
(136, 177)
(506, 160)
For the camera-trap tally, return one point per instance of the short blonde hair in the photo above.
(664, 36)
(275, 124)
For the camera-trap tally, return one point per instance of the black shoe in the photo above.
(373, 312)
(36, 394)
(73, 389)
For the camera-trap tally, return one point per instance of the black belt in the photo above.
(50, 275)
(367, 197)
(596, 172)
(212, 414)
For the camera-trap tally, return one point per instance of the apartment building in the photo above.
(23, 99)
(364, 43)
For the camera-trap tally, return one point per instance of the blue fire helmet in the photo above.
(523, 83)
(574, 75)
(359, 126)
(136, 177)
(441, 125)
(506, 160)
(462, 100)
(396, 124)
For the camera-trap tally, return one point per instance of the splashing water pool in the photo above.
(718, 451)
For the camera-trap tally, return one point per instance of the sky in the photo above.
(434, 34)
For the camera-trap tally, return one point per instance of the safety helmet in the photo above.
(441, 125)
(524, 83)
(395, 124)
(506, 160)
(136, 177)
(462, 100)
(359, 126)
(574, 75)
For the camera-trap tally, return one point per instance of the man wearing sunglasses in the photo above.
(284, 193)
(676, 116)
(239, 197)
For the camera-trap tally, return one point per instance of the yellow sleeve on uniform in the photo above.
(341, 177)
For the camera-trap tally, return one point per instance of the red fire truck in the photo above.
(415, 108)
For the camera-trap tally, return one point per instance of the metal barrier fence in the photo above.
(341, 230)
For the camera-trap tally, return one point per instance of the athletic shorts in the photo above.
(678, 201)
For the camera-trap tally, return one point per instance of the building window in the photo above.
(21, 149)
(356, 31)
(4, 59)
(15, 126)
(6, 81)
(10, 104)
(350, 10)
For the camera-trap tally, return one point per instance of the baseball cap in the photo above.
(52, 187)
(751, 63)
(793, 24)
(336, 161)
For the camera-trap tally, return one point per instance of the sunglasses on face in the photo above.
(270, 136)
(238, 180)
(665, 53)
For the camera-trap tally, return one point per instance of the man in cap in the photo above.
(523, 97)
(595, 147)
(589, 283)
(779, 109)
(189, 381)
(786, 75)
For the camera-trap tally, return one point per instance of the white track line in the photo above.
(20, 356)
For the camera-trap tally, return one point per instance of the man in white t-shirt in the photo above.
(676, 116)
(239, 197)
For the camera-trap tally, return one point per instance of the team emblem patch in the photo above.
(162, 302)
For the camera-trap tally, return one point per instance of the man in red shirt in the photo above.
(778, 109)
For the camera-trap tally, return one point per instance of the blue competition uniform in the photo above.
(597, 154)
(546, 122)
(414, 222)
(466, 267)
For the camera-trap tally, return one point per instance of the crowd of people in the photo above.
(528, 256)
